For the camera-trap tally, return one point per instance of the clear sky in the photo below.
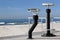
(18, 8)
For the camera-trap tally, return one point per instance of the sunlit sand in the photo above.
(17, 30)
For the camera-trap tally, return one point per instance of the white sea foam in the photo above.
(2, 23)
(11, 23)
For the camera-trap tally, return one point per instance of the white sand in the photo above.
(13, 30)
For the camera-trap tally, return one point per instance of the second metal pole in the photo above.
(48, 34)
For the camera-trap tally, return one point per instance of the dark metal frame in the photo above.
(35, 18)
(48, 34)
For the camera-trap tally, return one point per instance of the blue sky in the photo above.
(18, 8)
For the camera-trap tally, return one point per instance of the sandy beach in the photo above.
(20, 32)
(13, 30)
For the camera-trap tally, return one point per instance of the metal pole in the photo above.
(48, 20)
(48, 34)
(35, 18)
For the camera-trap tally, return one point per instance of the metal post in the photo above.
(35, 18)
(48, 34)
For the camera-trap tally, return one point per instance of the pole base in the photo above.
(30, 38)
(48, 35)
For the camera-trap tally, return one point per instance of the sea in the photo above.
(24, 21)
